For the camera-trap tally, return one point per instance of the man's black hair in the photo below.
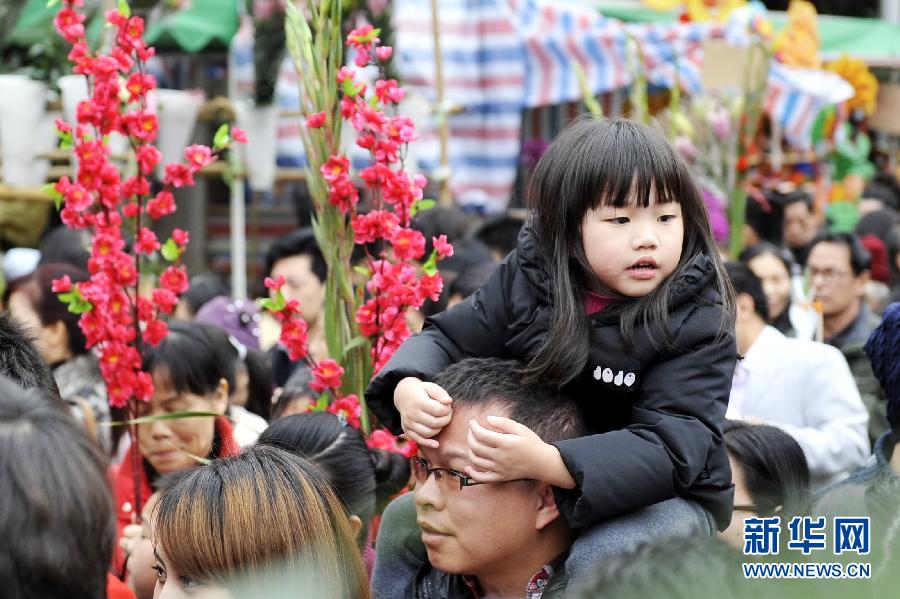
(500, 233)
(765, 218)
(860, 259)
(56, 517)
(301, 242)
(775, 470)
(792, 197)
(744, 281)
(21, 361)
(491, 381)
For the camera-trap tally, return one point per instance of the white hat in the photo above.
(20, 262)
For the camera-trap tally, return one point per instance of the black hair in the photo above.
(467, 253)
(745, 281)
(470, 280)
(260, 383)
(195, 356)
(203, 287)
(20, 360)
(774, 466)
(295, 388)
(441, 220)
(363, 477)
(766, 218)
(56, 517)
(62, 244)
(883, 192)
(879, 223)
(301, 242)
(600, 162)
(500, 233)
(537, 405)
(39, 289)
(765, 248)
(860, 259)
(792, 197)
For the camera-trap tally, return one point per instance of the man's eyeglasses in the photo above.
(446, 478)
(827, 274)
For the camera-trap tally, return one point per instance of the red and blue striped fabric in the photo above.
(667, 46)
(796, 97)
(484, 74)
(559, 35)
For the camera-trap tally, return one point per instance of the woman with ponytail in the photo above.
(365, 478)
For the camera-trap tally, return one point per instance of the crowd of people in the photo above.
(601, 402)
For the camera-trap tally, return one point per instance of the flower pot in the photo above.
(73, 89)
(177, 113)
(261, 125)
(22, 103)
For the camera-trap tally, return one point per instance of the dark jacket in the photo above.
(851, 341)
(435, 584)
(656, 413)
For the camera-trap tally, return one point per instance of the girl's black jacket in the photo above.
(656, 411)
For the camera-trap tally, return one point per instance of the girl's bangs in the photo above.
(631, 178)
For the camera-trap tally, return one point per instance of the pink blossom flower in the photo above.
(383, 53)
(315, 120)
(442, 246)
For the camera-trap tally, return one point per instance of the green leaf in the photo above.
(67, 297)
(50, 190)
(353, 343)
(221, 139)
(52, 3)
(124, 9)
(323, 401)
(421, 205)
(80, 306)
(349, 88)
(169, 416)
(170, 250)
(363, 270)
(430, 267)
(275, 304)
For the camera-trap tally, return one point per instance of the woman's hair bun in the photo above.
(391, 472)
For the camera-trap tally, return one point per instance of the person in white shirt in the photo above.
(802, 387)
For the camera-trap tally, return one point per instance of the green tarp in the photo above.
(206, 25)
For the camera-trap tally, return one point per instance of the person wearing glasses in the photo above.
(770, 476)
(804, 388)
(496, 539)
(838, 270)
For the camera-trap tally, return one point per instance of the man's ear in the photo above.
(220, 397)
(547, 512)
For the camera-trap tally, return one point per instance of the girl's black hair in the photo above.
(609, 162)
(775, 468)
(196, 357)
(363, 477)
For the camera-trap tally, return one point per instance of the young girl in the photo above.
(617, 294)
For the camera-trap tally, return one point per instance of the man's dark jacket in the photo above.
(656, 412)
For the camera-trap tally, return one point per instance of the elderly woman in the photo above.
(265, 523)
(191, 373)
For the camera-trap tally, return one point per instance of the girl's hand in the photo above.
(425, 409)
(507, 450)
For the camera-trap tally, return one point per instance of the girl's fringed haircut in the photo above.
(613, 163)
